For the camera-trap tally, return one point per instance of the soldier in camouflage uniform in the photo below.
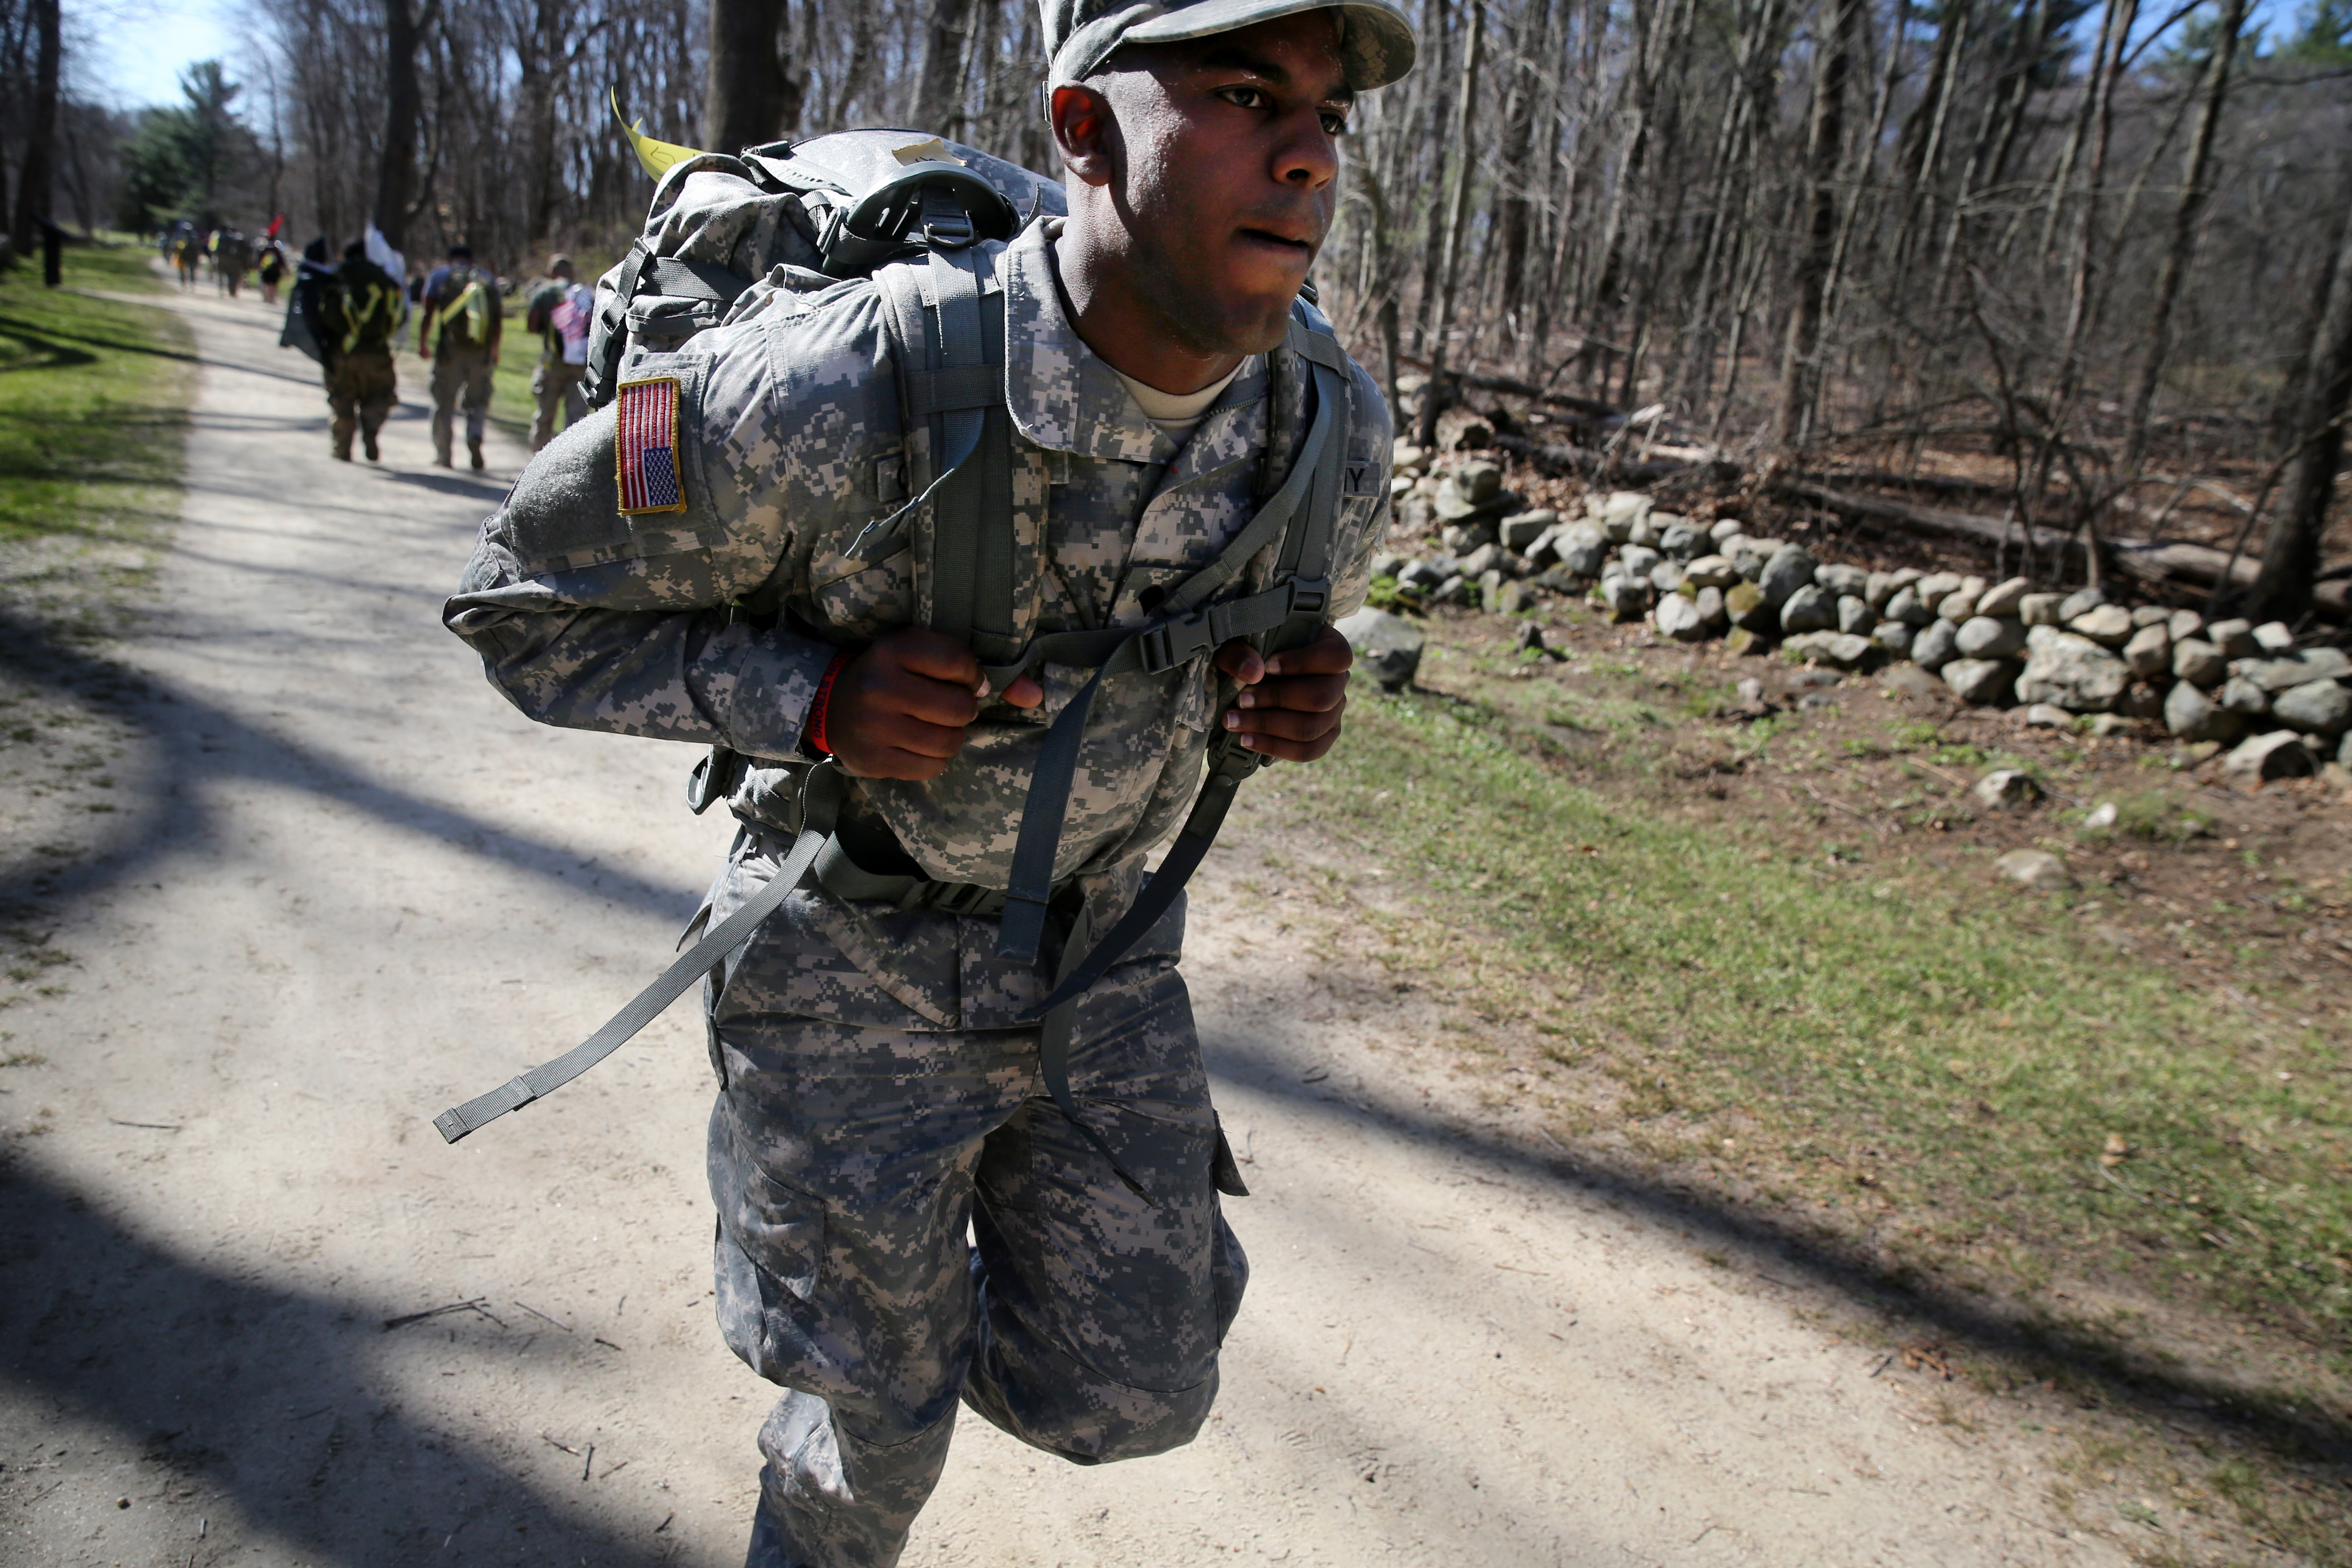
(879, 1066)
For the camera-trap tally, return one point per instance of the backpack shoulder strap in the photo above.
(947, 338)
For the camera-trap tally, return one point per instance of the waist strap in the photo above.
(846, 878)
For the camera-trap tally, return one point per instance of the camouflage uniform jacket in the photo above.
(715, 624)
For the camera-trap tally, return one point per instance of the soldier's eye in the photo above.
(1335, 124)
(1243, 97)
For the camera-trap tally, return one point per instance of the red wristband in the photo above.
(813, 732)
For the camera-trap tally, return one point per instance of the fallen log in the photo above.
(1584, 406)
(1559, 458)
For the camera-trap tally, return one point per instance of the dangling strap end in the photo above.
(1021, 929)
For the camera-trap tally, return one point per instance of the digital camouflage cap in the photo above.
(1375, 39)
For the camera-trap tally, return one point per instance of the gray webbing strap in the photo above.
(820, 797)
(683, 279)
(605, 373)
(971, 577)
(1054, 1034)
(1190, 630)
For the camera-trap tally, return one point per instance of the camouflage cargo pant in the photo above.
(555, 386)
(459, 375)
(851, 1155)
(361, 388)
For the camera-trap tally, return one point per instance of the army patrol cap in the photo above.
(1375, 39)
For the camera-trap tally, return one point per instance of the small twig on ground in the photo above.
(664, 1523)
(151, 1126)
(566, 1446)
(472, 1305)
(588, 1461)
(544, 1317)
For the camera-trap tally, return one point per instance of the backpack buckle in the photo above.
(1171, 643)
(1309, 595)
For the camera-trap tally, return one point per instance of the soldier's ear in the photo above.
(1085, 131)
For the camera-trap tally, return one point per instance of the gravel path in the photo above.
(345, 884)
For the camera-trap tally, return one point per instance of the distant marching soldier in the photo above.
(561, 311)
(353, 317)
(463, 316)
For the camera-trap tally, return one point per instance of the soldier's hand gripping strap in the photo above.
(820, 800)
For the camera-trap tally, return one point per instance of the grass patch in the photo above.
(93, 418)
(1942, 1071)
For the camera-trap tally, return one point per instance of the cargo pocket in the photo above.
(778, 1229)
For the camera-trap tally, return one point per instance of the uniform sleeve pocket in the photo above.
(623, 483)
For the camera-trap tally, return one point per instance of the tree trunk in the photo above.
(33, 175)
(938, 96)
(1800, 360)
(395, 182)
(1449, 267)
(2282, 589)
(749, 96)
(2195, 179)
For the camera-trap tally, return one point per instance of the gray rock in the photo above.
(1933, 588)
(1583, 550)
(2318, 708)
(1895, 637)
(1625, 597)
(1531, 638)
(1711, 611)
(2109, 625)
(1642, 532)
(1724, 528)
(1515, 599)
(2150, 615)
(2280, 754)
(1808, 609)
(1744, 603)
(2328, 663)
(2099, 726)
(1711, 572)
(2080, 602)
(2006, 787)
(2240, 695)
(2182, 625)
(1521, 530)
(2235, 638)
(2274, 636)
(1790, 569)
(1403, 454)
(1878, 588)
(2199, 663)
(2343, 754)
(1679, 618)
(2001, 600)
(2148, 654)
(1906, 607)
(1840, 649)
(2038, 609)
(2193, 716)
(2074, 672)
(2035, 871)
(1624, 505)
(1979, 682)
(1680, 540)
(1956, 606)
(2048, 716)
(1455, 590)
(1666, 576)
(1840, 580)
(1637, 560)
(1907, 680)
(1855, 616)
(1748, 557)
(1491, 583)
(1937, 646)
(1425, 575)
(2272, 675)
(1462, 538)
(1481, 560)
(1388, 647)
(1478, 483)
(1982, 636)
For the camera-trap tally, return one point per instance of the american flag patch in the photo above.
(645, 447)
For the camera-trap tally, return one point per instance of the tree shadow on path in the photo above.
(233, 1388)
(2092, 1366)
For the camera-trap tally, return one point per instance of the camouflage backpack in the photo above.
(910, 211)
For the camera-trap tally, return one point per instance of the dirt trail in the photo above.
(347, 884)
